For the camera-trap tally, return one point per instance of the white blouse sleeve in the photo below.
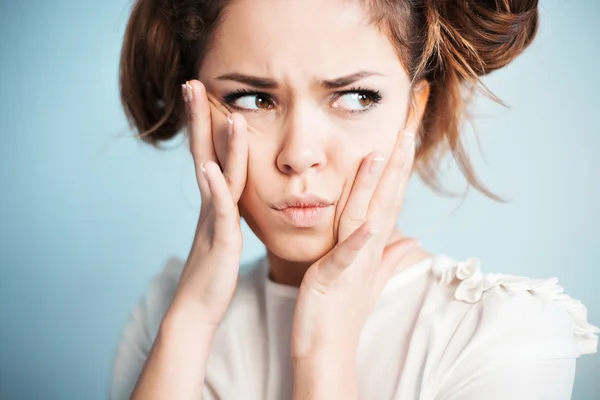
(140, 330)
(518, 340)
(543, 379)
(131, 353)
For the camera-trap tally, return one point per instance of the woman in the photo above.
(307, 118)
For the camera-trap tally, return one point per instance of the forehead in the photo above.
(328, 38)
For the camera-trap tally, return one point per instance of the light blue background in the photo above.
(89, 214)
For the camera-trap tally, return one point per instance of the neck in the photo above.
(291, 273)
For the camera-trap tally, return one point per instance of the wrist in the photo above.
(327, 360)
(187, 319)
(326, 348)
(176, 364)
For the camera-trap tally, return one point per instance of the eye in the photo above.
(356, 100)
(249, 101)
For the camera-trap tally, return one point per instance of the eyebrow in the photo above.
(254, 81)
(347, 80)
(267, 83)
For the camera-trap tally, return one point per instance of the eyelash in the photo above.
(374, 95)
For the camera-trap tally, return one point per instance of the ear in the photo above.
(418, 102)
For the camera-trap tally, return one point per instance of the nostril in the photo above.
(297, 158)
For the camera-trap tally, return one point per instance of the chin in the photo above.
(287, 243)
(303, 247)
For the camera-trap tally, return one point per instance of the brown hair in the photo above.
(449, 43)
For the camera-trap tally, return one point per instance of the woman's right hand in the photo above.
(210, 275)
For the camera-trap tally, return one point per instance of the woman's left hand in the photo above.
(340, 290)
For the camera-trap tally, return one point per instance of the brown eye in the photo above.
(262, 102)
(364, 100)
(356, 100)
(253, 102)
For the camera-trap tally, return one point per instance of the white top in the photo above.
(441, 330)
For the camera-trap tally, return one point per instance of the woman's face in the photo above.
(325, 88)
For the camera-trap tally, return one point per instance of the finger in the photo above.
(405, 172)
(389, 195)
(199, 128)
(223, 207)
(344, 254)
(236, 165)
(365, 183)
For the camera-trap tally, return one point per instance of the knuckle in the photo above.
(400, 160)
(406, 158)
(340, 259)
(366, 181)
(378, 203)
(236, 186)
(222, 213)
(407, 162)
(233, 181)
(195, 115)
(219, 242)
(192, 115)
(354, 222)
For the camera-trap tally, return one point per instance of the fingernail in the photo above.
(189, 92)
(229, 125)
(376, 165)
(184, 92)
(373, 232)
(408, 141)
(203, 169)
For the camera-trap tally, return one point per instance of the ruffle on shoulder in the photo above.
(472, 284)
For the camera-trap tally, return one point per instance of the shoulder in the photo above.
(140, 329)
(510, 316)
(163, 286)
(146, 316)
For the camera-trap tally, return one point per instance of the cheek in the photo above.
(377, 131)
(350, 148)
(348, 154)
(260, 174)
(251, 208)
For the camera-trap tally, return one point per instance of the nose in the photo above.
(302, 148)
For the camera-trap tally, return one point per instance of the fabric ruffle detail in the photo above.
(472, 284)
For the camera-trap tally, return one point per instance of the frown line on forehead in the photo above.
(268, 83)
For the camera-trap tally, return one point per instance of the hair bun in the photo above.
(480, 36)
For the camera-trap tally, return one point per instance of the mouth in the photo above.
(304, 211)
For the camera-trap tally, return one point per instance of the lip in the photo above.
(304, 211)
